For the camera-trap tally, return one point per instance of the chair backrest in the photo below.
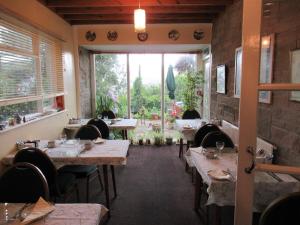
(191, 114)
(38, 158)
(102, 127)
(110, 114)
(282, 211)
(23, 182)
(88, 132)
(202, 132)
(210, 139)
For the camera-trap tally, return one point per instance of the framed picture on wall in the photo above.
(266, 66)
(295, 73)
(238, 72)
(221, 79)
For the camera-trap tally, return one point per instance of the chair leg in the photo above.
(113, 179)
(99, 178)
(180, 147)
(87, 189)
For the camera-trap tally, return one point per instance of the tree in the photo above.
(137, 95)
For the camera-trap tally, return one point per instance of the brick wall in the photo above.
(85, 83)
(278, 122)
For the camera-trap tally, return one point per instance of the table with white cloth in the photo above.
(222, 192)
(188, 129)
(109, 153)
(118, 124)
(75, 214)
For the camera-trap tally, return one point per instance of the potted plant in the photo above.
(169, 140)
(158, 138)
(141, 139)
(148, 138)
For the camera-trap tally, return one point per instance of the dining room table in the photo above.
(113, 124)
(103, 153)
(188, 129)
(218, 176)
(75, 214)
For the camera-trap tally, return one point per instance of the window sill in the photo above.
(10, 128)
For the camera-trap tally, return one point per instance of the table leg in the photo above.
(180, 147)
(112, 168)
(123, 134)
(126, 135)
(106, 188)
(198, 188)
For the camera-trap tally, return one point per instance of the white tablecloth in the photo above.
(222, 193)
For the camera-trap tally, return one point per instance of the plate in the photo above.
(219, 174)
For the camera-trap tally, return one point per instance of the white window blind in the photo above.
(30, 65)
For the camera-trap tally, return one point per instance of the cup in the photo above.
(51, 144)
(88, 145)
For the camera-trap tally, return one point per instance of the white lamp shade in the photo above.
(139, 20)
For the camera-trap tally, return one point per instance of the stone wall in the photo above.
(278, 122)
(85, 83)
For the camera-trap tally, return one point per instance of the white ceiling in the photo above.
(147, 48)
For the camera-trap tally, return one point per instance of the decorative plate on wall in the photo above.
(198, 34)
(142, 36)
(112, 35)
(174, 35)
(90, 36)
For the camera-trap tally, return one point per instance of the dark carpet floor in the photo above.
(153, 189)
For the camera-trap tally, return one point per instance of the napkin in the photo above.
(99, 140)
(219, 174)
(40, 209)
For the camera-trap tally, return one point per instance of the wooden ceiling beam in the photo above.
(149, 17)
(177, 20)
(149, 9)
(102, 3)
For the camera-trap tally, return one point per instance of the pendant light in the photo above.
(139, 20)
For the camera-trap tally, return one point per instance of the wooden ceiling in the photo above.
(78, 12)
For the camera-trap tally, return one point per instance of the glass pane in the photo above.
(22, 109)
(181, 86)
(17, 75)
(145, 90)
(111, 83)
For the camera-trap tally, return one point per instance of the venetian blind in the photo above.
(30, 65)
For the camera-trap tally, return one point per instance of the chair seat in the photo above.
(80, 171)
(65, 182)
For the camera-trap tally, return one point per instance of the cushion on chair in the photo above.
(80, 171)
(65, 181)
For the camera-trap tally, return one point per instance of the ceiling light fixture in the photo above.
(139, 20)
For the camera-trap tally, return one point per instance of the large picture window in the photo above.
(31, 76)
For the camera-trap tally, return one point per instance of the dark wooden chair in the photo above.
(23, 182)
(86, 132)
(60, 184)
(110, 114)
(199, 136)
(212, 137)
(282, 211)
(102, 127)
(191, 114)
